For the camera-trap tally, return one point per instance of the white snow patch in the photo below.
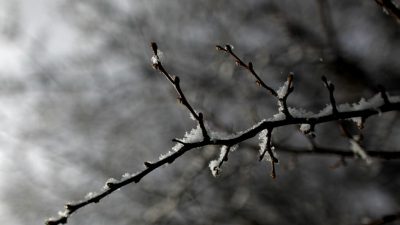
(345, 107)
(126, 176)
(300, 113)
(176, 148)
(155, 60)
(277, 117)
(63, 213)
(214, 167)
(90, 195)
(374, 102)
(165, 155)
(305, 128)
(263, 145)
(358, 121)
(283, 90)
(264, 140)
(325, 111)
(215, 164)
(110, 181)
(394, 99)
(193, 136)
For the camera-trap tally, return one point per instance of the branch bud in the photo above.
(324, 79)
(219, 48)
(251, 66)
(228, 48)
(147, 164)
(180, 100)
(176, 79)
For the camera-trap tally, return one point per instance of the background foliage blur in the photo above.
(79, 103)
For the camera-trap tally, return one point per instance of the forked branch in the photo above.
(364, 110)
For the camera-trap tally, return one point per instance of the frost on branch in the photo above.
(359, 121)
(110, 182)
(300, 113)
(374, 102)
(155, 59)
(283, 90)
(90, 195)
(200, 136)
(215, 165)
(193, 136)
(264, 142)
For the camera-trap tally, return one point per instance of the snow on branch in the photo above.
(201, 136)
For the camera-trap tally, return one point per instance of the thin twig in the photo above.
(114, 185)
(268, 148)
(282, 99)
(331, 89)
(248, 66)
(175, 81)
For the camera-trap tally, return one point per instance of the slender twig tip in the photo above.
(219, 48)
(228, 48)
(154, 47)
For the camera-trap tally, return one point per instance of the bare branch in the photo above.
(248, 67)
(331, 89)
(385, 219)
(269, 125)
(281, 95)
(175, 81)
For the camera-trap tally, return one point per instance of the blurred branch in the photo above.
(382, 154)
(327, 24)
(390, 7)
(385, 219)
(283, 118)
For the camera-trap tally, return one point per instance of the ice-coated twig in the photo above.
(369, 108)
(215, 165)
(266, 146)
(283, 94)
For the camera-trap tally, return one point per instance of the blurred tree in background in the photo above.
(80, 103)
